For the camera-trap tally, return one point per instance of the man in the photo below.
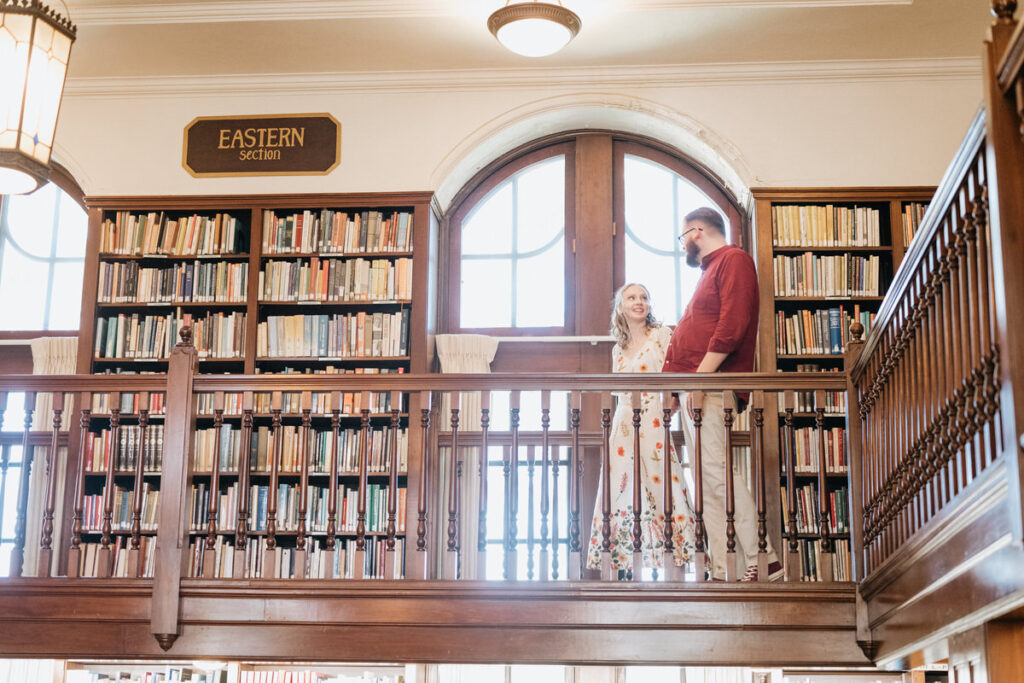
(718, 333)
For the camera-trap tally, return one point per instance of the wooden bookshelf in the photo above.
(349, 276)
(825, 256)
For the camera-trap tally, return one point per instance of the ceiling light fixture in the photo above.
(534, 29)
(35, 45)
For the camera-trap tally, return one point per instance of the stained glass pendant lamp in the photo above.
(534, 29)
(35, 46)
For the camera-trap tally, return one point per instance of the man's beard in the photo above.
(692, 255)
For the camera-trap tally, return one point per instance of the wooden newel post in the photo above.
(171, 560)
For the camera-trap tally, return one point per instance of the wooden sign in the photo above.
(286, 144)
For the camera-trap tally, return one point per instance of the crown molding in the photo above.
(108, 12)
(475, 80)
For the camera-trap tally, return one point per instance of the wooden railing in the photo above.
(938, 393)
(436, 475)
(927, 384)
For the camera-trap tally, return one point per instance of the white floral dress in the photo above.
(650, 358)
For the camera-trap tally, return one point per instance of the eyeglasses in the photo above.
(682, 237)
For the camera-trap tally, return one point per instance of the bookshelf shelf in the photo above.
(832, 253)
(338, 304)
(171, 304)
(336, 255)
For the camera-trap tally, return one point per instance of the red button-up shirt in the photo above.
(721, 316)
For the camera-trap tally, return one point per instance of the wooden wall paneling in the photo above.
(593, 214)
(1004, 650)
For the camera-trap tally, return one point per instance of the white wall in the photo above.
(829, 126)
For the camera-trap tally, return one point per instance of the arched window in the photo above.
(42, 250)
(508, 255)
(538, 242)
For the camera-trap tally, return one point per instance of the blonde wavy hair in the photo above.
(619, 325)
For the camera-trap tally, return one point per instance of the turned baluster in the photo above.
(637, 562)
(84, 437)
(270, 557)
(793, 566)
(451, 561)
(757, 452)
(245, 463)
(530, 537)
(112, 454)
(301, 551)
(422, 498)
(512, 496)
(21, 512)
(696, 401)
(364, 454)
(46, 537)
(824, 510)
(210, 551)
(574, 481)
(672, 571)
(545, 492)
(138, 494)
(392, 529)
(555, 466)
(481, 538)
(330, 543)
(606, 487)
(728, 412)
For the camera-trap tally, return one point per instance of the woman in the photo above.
(640, 346)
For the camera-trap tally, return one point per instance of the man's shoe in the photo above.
(775, 572)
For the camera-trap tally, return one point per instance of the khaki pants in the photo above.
(712, 436)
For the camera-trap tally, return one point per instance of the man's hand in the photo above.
(674, 405)
(689, 405)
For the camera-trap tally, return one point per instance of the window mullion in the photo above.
(515, 249)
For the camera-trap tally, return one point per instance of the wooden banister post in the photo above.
(175, 481)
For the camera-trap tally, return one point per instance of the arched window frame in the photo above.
(478, 189)
(582, 281)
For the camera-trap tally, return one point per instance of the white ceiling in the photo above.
(381, 38)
